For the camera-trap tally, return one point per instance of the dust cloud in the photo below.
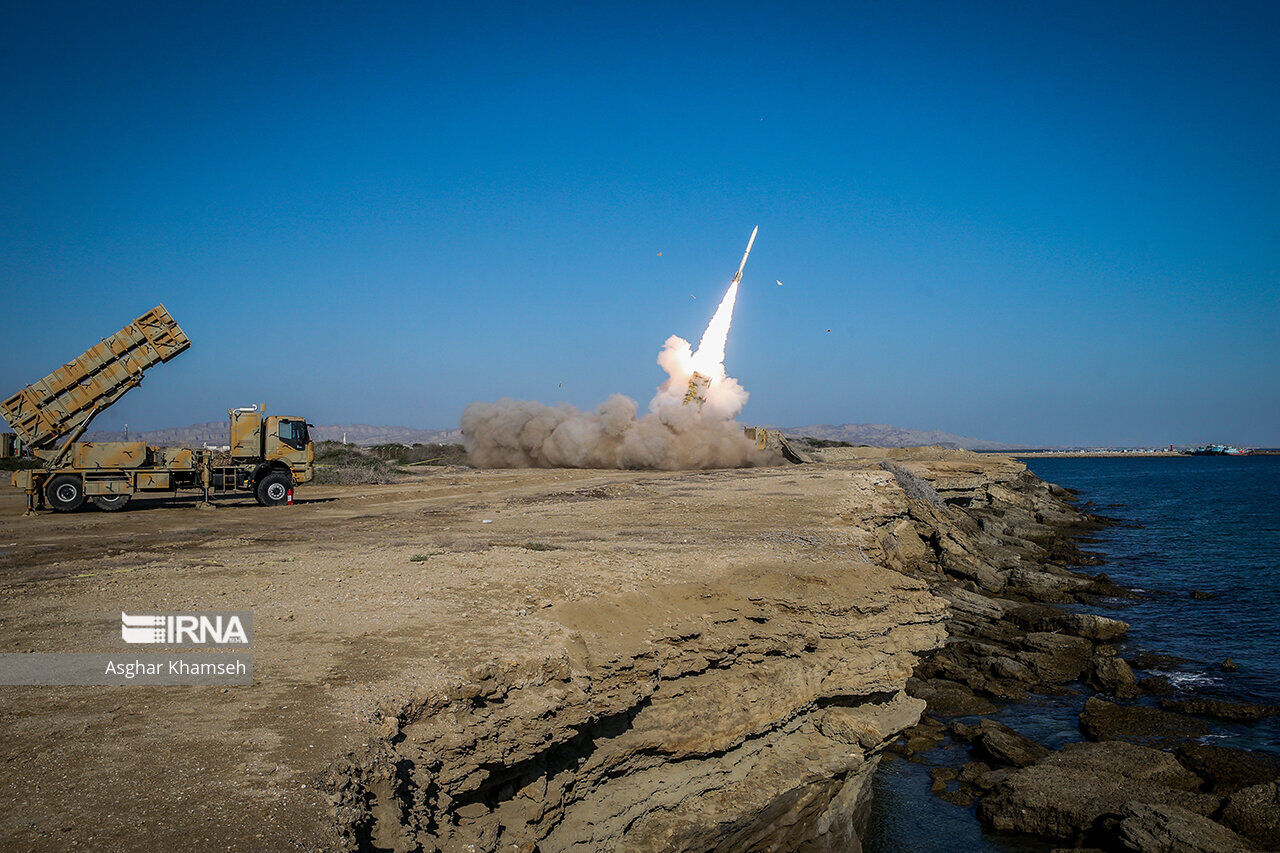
(671, 436)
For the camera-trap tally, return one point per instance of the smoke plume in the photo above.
(671, 436)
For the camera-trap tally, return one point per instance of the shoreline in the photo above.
(1096, 789)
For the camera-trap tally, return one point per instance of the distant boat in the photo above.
(1218, 450)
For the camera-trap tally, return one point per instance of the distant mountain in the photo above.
(883, 435)
(216, 434)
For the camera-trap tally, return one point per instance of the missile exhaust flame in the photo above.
(671, 436)
(707, 363)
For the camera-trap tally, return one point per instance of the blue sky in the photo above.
(1037, 223)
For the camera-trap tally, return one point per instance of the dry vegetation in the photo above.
(348, 464)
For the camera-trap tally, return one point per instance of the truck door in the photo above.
(288, 440)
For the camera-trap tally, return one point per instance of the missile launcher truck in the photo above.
(268, 455)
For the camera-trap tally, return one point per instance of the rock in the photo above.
(948, 698)
(1001, 744)
(1064, 794)
(917, 744)
(973, 770)
(1226, 770)
(1229, 665)
(1111, 674)
(1035, 617)
(1056, 658)
(1094, 627)
(1155, 660)
(964, 567)
(921, 737)
(940, 776)
(1255, 814)
(871, 724)
(972, 603)
(1246, 712)
(1170, 829)
(1101, 720)
(943, 774)
(1157, 685)
(1201, 595)
(962, 796)
(1105, 587)
(1043, 583)
(1005, 667)
(990, 779)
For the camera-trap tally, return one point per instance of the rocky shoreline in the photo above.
(1142, 778)
(886, 603)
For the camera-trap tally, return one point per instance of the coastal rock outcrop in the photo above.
(1166, 829)
(750, 712)
(1000, 744)
(1102, 720)
(1112, 674)
(1255, 813)
(1064, 795)
(1226, 770)
(1008, 636)
(745, 713)
(1219, 709)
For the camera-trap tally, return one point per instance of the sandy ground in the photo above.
(346, 620)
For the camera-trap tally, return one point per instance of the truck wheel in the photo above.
(65, 493)
(273, 489)
(110, 503)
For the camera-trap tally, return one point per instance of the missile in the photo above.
(700, 383)
(737, 277)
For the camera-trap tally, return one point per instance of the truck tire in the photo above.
(273, 489)
(65, 493)
(110, 503)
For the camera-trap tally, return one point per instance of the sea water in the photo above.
(1205, 523)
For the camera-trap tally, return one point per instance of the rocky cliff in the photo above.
(744, 712)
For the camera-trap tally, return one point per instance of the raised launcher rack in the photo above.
(766, 439)
(50, 415)
(699, 384)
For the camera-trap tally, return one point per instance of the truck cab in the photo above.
(279, 448)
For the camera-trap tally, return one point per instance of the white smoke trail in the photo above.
(709, 359)
(671, 436)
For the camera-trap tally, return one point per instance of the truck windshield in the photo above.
(294, 434)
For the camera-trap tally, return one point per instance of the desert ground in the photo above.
(362, 596)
